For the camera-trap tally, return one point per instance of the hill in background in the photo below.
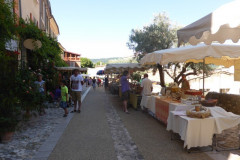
(115, 60)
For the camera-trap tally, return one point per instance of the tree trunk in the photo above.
(161, 73)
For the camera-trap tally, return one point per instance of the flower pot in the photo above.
(6, 137)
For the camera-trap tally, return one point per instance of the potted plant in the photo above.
(9, 117)
(9, 110)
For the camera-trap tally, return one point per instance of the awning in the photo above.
(120, 67)
(71, 68)
(219, 54)
(220, 25)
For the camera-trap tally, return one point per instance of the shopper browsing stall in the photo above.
(125, 90)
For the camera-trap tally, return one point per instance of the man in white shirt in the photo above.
(76, 83)
(146, 86)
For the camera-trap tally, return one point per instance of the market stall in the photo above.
(66, 72)
(196, 132)
(178, 114)
(135, 95)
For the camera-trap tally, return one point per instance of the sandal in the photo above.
(78, 111)
(73, 111)
(65, 115)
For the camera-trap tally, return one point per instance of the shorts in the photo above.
(125, 95)
(76, 95)
(63, 104)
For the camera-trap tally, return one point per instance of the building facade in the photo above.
(39, 12)
(72, 59)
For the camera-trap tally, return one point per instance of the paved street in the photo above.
(102, 131)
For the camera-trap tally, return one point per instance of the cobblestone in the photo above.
(31, 135)
(125, 147)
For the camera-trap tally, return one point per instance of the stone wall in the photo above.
(229, 102)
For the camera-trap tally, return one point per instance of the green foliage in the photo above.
(9, 106)
(7, 27)
(17, 85)
(44, 59)
(137, 76)
(99, 63)
(161, 34)
(29, 96)
(86, 63)
(50, 50)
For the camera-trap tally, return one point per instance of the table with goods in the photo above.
(195, 119)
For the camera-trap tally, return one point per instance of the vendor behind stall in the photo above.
(146, 86)
(185, 83)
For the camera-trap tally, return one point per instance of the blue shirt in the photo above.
(125, 84)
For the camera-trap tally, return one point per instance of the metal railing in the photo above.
(71, 59)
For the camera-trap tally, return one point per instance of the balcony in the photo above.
(71, 58)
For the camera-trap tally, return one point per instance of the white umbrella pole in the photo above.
(203, 75)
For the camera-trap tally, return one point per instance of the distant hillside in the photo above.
(114, 60)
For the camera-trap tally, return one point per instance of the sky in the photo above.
(101, 28)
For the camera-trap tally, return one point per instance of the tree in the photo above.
(86, 63)
(176, 70)
(161, 34)
(99, 63)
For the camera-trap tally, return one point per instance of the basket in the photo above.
(204, 113)
(209, 102)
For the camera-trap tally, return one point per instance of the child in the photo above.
(57, 94)
(64, 97)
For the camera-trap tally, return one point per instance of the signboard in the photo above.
(12, 45)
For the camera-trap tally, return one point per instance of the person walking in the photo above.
(90, 81)
(125, 90)
(64, 97)
(94, 83)
(86, 81)
(99, 82)
(76, 84)
(106, 82)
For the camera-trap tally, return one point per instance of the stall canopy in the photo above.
(219, 54)
(220, 25)
(120, 67)
(71, 69)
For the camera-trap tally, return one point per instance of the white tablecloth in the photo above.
(179, 107)
(149, 103)
(199, 132)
